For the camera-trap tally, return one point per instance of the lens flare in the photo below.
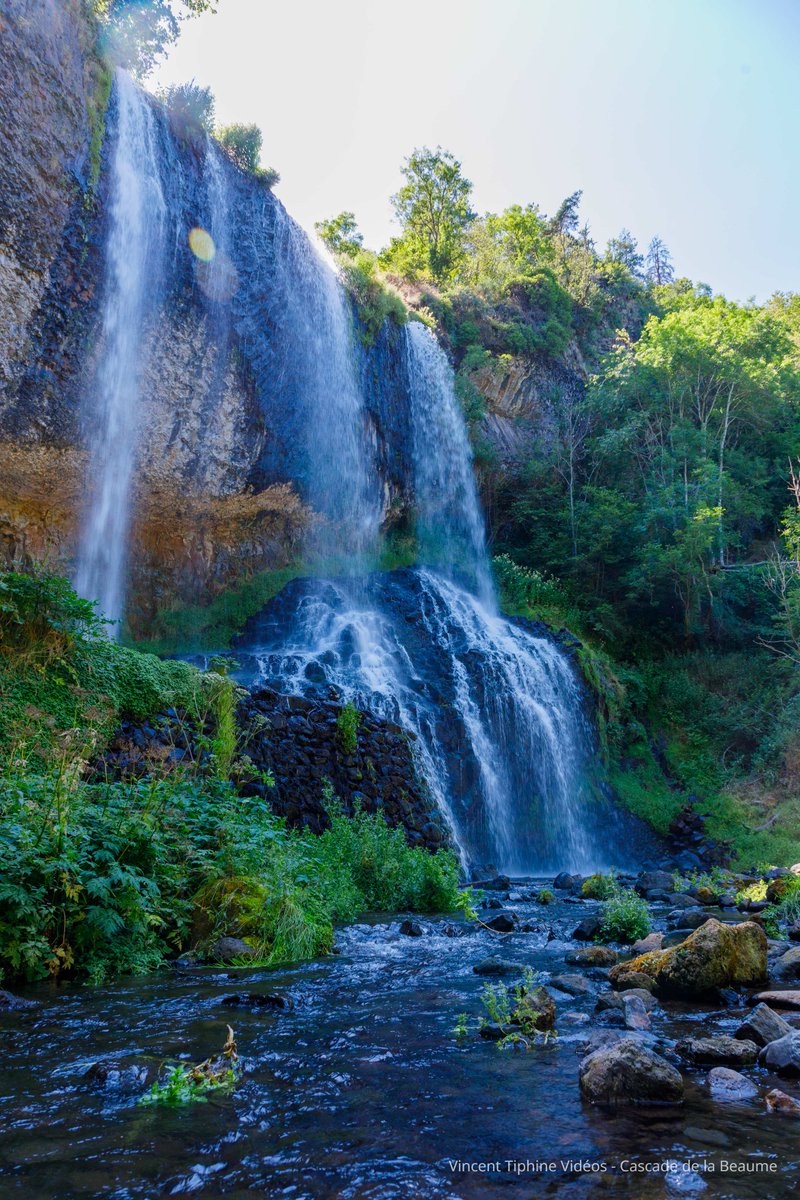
(201, 244)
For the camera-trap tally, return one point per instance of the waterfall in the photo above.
(134, 249)
(317, 363)
(496, 711)
(450, 530)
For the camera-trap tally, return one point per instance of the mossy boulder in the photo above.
(231, 906)
(714, 956)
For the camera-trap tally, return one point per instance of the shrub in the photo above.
(242, 144)
(598, 887)
(347, 724)
(376, 300)
(625, 917)
(102, 879)
(191, 108)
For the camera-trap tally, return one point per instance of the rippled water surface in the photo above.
(359, 1090)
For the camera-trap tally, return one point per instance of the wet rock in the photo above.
(783, 1055)
(598, 1039)
(725, 1084)
(492, 902)
(682, 900)
(593, 956)
(687, 918)
(540, 1000)
(778, 1102)
(411, 928)
(654, 881)
(645, 945)
(496, 966)
(229, 949)
(587, 930)
(780, 999)
(625, 980)
(271, 1000)
(452, 931)
(11, 1003)
(788, 965)
(566, 882)
(573, 985)
(627, 1073)
(714, 956)
(616, 1000)
(500, 883)
(726, 1051)
(114, 1074)
(635, 1012)
(504, 922)
(763, 1026)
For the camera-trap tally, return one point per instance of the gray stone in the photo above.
(725, 1084)
(783, 1055)
(628, 1073)
(763, 1026)
(573, 985)
(229, 949)
(720, 1049)
(496, 966)
(635, 1012)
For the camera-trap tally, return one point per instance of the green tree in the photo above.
(341, 234)
(624, 250)
(433, 209)
(242, 144)
(659, 263)
(190, 106)
(136, 35)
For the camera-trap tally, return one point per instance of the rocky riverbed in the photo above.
(355, 1086)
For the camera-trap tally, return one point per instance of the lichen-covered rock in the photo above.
(714, 956)
(624, 979)
(627, 1073)
(721, 1049)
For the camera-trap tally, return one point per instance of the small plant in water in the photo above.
(183, 1084)
(461, 1027)
(516, 1012)
(545, 896)
(625, 917)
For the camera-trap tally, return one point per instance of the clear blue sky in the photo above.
(676, 117)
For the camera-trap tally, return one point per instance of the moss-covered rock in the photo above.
(714, 956)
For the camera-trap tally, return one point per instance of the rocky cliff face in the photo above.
(220, 482)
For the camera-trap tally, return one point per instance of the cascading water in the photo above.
(134, 253)
(316, 361)
(496, 711)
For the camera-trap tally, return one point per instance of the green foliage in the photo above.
(96, 110)
(113, 878)
(434, 213)
(515, 1014)
(180, 1086)
(545, 896)
(191, 109)
(341, 234)
(599, 887)
(137, 35)
(347, 724)
(625, 917)
(242, 144)
(375, 298)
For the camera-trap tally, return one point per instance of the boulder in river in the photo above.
(763, 1025)
(496, 966)
(504, 922)
(593, 956)
(623, 980)
(587, 929)
(725, 1084)
(635, 1012)
(231, 949)
(12, 1003)
(617, 999)
(654, 881)
(627, 1073)
(573, 985)
(788, 965)
(714, 956)
(566, 882)
(779, 999)
(646, 944)
(411, 928)
(721, 1049)
(783, 1055)
(778, 1101)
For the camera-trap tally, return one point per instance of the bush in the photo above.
(625, 917)
(598, 887)
(347, 724)
(190, 107)
(242, 144)
(101, 879)
(376, 300)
